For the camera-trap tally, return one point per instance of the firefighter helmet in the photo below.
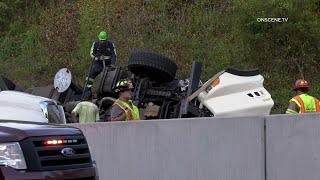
(300, 83)
(123, 84)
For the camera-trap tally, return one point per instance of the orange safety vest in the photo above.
(131, 114)
(302, 105)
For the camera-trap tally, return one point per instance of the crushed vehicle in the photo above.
(160, 95)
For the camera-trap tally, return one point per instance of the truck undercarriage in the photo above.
(159, 95)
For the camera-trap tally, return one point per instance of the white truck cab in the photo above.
(22, 106)
(236, 93)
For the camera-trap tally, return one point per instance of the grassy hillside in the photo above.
(40, 37)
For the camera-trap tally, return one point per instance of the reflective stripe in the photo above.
(91, 51)
(90, 82)
(302, 109)
(107, 57)
(122, 83)
(290, 111)
(126, 110)
(317, 105)
(295, 101)
(89, 79)
(131, 113)
(114, 49)
(306, 103)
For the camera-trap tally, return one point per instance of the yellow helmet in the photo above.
(122, 85)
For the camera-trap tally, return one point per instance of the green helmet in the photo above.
(103, 36)
(123, 84)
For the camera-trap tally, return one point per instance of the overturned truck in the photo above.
(160, 95)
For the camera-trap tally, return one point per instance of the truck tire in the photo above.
(153, 65)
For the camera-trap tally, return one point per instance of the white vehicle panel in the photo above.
(21, 114)
(237, 95)
(27, 107)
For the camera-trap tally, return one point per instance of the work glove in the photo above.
(101, 57)
(112, 66)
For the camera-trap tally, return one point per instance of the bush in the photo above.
(45, 36)
(283, 51)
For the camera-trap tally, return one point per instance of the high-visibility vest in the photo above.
(306, 103)
(131, 113)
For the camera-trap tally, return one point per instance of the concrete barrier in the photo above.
(293, 147)
(184, 149)
(288, 148)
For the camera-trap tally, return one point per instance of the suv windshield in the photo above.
(54, 113)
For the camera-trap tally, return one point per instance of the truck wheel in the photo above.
(153, 65)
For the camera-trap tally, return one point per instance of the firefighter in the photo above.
(302, 102)
(123, 109)
(101, 51)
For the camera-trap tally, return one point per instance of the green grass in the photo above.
(45, 37)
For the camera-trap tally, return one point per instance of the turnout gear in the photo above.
(103, 53)
(300, 83)
(105, 49)
(89, 83)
